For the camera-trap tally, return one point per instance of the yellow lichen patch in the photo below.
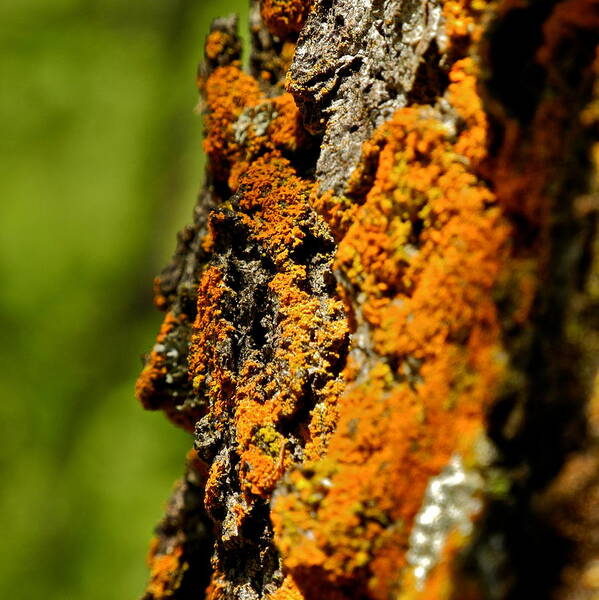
(166, 572)
(284, 17)
(423, 253)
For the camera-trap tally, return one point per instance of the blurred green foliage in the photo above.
(100, 165)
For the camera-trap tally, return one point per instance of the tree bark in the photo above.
(382, 326)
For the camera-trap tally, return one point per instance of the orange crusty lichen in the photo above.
(284, 17)
(155, 383)
(215, 590)
(420, 258)
(273, 207)
(210, 333)
(241, 123)
(166, 571)
(287, 591)
(155, 368)
(246, 134)
(463, 18)
(274, 212)
(424, 252)
(216, 44)
(228, 90)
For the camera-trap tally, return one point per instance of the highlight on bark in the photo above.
(382, 324)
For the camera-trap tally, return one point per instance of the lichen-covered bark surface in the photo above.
(382, 326)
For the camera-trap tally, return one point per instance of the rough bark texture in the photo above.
(382, 326)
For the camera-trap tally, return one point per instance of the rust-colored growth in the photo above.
(287, 591)
(177, 549)
(348, 352)
(273, 207)
(163, 383)
(166, 571)
(425, 249)
(284, 17)
(154, 372)
(216, 43)
(242, 124)
(228, 92)
(210, 333)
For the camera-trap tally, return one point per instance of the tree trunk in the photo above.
(382, 326)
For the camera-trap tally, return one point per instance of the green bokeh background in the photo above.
(100, 163)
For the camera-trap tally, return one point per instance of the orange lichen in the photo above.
(274, 212)
(242, 124)
(424, 252)
(228, 91)
(216, 588)
(422, 255)
(273, 207)
(151, 379)
(216, 42)
(284, 17)
(210, 331)
(216, 475)
(463, 18)
(166, 571)
(155, 368)
(287, 591)
(160, 301)
(441, 582)
(338, 211)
